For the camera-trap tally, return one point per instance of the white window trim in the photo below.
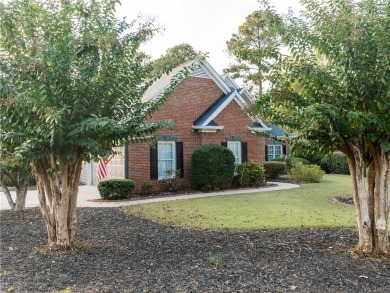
(238, 160)
(163, 176)
(273, 153)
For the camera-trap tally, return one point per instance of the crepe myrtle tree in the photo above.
(71, 86)
(341, 101)
(14, 172)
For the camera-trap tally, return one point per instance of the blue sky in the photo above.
(204, 24)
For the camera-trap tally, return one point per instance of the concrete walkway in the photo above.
(88, 193)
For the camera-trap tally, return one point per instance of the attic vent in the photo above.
(200, 73)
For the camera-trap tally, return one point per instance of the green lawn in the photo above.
(308, 206)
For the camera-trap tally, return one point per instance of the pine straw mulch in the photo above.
(122, 253)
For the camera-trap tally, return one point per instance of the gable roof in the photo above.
(160, 84)
(201, 69)
(215, 108)
(231, 91)
(230, 81)
(245, 91)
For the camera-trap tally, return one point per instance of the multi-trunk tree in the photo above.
(71, 84)
(334, 89)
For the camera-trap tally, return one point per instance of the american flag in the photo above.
(102, 168)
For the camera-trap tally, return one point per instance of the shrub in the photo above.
(251, 174)
(337, 163)
(274, 169)
(212, 167)
(115, 188)
(147, 187)
(291, 161)
(306, 173)
(235, 182)
(317, 159)
(174, 182)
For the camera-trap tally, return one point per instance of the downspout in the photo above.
(126, 161)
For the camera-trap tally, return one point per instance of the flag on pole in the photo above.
(102, 168)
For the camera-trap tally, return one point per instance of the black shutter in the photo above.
(179, 158)
(224, 143)
(244, 152)
(284, 150)
(153, 162)
(266, 152)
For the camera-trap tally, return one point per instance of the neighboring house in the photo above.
(207, 108)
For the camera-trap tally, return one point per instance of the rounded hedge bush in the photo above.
(306, 173)
(212, 167)
(115, 188)
(251, 174)
(274, 169)
(337, 163)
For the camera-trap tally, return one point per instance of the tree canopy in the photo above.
(71, 84)
(334, 90)
(255, 46)
(174, 57)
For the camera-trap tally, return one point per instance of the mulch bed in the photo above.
(125, 253)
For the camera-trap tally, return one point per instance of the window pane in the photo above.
(165, 151)
(164, 167)
(278, 151)
(235, 147)
(166, 160)
(271, 150)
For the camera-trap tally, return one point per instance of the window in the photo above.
(166, 154)
(235, 147)
(238, 147)
(166, 157)
(274, 152)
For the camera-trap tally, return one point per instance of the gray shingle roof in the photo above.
(278, 132)
(210, 110)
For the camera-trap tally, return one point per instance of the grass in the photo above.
(215, 260)
(309, 206)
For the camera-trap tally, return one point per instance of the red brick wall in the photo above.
(236, 123)
(246, 99)
(189, 100)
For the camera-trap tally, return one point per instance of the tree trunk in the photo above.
(381, 197)
(21, 194)
(8, 195)
(58, 199)
(371, 197)
(20, 200)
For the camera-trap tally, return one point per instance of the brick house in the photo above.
(207, 108)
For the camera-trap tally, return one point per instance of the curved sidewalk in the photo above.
(89, 192)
